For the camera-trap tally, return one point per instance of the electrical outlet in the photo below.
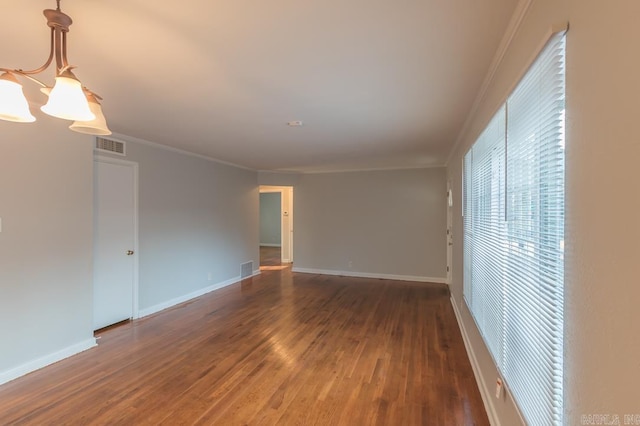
(210, 276)
(350, 264)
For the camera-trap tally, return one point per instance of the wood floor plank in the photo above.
(280, 348)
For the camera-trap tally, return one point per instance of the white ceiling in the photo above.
(377, 83)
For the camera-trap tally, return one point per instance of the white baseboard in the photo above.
(185, 298)
(37, 364)
(484, 388)
(439, 280)
(270, 245)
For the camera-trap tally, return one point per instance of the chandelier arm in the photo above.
(35, 80)
(46, 65)
(65, 63)
(58, 51)
(24, 74)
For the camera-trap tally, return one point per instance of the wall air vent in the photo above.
(246, 270)
(110, 146)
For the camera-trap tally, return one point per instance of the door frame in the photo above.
(105, 159)
(286, 210)
(449, 233)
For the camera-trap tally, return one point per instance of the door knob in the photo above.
(129, 252)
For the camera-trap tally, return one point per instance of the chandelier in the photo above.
(68, 99)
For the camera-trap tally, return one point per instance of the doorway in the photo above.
(115, 266)
(276, 225)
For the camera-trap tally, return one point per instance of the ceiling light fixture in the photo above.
(68, 99)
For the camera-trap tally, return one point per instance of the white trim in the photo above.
(270, 245)
(289, 229)
(195, 294)
(485, 393)
(269, 189)
(370, 169)
(449, 242)
(124, 138)
(512, 29)
(37, 364)
(132, 139)
(439, 280)
(136, 243)
(136, 258)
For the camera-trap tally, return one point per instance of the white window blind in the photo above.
(467, 224)
(487, 241)
(514, 237)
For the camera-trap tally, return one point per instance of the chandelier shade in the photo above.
(97, 126)
(13, 105)
(68, 101)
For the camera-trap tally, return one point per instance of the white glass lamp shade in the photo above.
(13, 104)
(97, 126)
(67, 100)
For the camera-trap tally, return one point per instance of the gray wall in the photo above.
(46, 193)
(602, 366)
(196, 217)
(383, 222)
(270, 219)
(278, 178)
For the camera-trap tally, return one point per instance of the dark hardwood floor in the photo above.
(270, 256)
(280, 348)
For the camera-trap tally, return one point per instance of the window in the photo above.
(514, 236)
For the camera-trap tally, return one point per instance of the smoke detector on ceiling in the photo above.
(294, 123)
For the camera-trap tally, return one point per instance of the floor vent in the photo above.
(246, 270)
(110, 146)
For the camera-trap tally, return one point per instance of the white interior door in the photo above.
(114, 242)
